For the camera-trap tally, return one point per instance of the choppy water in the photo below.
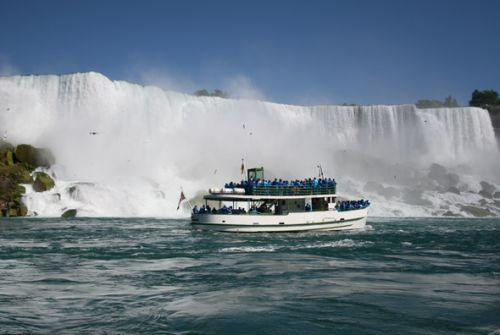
(152, 276)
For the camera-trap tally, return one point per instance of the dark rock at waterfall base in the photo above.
(16, 165)
(476, 211)
(11, 192)
(485, 194)
(72, 190)
(70, 213)
(19, 189)
(450, 213)
(33, 157)
(11, 176)
(43, 182)
(487, 188)
(75, 193)
(23, 210)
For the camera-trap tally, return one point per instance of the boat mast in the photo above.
(320, 172)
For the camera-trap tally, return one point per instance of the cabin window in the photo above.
(292, 205)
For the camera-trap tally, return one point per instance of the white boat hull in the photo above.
(292, 222)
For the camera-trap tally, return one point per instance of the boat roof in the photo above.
(244, 197)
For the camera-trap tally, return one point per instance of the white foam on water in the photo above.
(345, 243)
(126, 150)
(246, 249)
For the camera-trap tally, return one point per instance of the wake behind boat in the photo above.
(260, 205)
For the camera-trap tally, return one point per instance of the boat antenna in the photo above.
(320, 172)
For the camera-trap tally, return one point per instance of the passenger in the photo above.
(262, 208)
(195, 209)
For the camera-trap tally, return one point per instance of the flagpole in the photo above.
(189, 202)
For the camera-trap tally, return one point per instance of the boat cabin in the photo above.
(280, 197)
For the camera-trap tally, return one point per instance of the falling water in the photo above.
(125, 150)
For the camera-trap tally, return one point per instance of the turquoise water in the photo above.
(152, 276)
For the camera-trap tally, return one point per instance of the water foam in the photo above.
(247, 249)
(345, 243)
(125, 150)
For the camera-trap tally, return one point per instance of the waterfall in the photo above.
(129, 148)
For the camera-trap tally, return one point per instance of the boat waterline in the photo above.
(353, 223)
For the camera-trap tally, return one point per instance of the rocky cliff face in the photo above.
(494, 112)
(17, 170)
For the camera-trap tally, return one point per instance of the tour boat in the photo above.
(260, 205)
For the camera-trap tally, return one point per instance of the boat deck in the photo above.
(243, 197)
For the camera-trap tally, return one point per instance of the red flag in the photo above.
(182, 197)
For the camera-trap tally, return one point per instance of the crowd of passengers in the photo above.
(308, 182)
(352, 204)
(341, 206)
(223, 210)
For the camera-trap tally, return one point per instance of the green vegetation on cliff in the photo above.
(34, 157)
(484, 98)
(448, 102)
(216, 93)
(16, 166)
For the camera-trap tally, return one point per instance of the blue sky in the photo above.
(306, 52)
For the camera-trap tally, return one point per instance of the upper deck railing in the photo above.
(278, 190)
